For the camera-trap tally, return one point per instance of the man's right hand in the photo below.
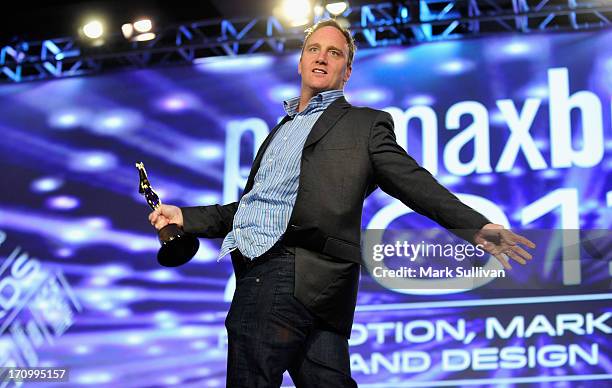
(166, 214)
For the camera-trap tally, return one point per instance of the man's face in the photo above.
(323, 65)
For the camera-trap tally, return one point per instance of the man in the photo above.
(294, 235)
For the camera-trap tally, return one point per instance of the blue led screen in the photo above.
(518, 127)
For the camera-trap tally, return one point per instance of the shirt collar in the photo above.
(321, 100)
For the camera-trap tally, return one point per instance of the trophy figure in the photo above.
(177, 247)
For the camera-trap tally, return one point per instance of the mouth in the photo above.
(317, 70)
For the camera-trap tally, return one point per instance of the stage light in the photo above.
(144, 37)
(143, 25)
(138, 31)
(128, 30)
(93, 29)
(336, 7)
(295, 12)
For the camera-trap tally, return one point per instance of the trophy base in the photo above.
(177, 247)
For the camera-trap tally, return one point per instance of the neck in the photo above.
(306, 95)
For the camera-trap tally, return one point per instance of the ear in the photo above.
(300, 66)
(347, 73)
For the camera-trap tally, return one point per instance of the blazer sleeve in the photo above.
(400, 176)
(213, 221)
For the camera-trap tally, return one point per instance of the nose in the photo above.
(321, 58)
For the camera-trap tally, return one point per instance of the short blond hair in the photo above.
(333, 23)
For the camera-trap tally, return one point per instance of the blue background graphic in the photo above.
(80, 286)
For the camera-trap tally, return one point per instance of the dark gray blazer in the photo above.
(349, 152)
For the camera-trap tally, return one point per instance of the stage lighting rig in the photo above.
(139, 31)
(336, 8)
(295, 12)
(93, 31)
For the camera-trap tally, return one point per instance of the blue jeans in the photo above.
(270, 331)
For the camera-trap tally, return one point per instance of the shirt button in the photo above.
(270, 160)
(285, 138)
(243, 205)
(237, 229)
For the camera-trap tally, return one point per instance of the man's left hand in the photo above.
(503, 243)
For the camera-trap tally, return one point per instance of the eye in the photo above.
(335, 53)
(312, 49)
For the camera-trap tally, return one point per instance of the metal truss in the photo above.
(374, 25)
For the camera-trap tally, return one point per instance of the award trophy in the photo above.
(177, 247)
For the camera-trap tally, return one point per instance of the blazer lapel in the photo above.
(327, 120)
(261, 152)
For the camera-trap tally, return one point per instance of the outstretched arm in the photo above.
(400, 176)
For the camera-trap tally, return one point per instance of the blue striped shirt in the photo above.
(263, 213)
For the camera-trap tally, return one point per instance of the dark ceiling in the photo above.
(30, 21)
